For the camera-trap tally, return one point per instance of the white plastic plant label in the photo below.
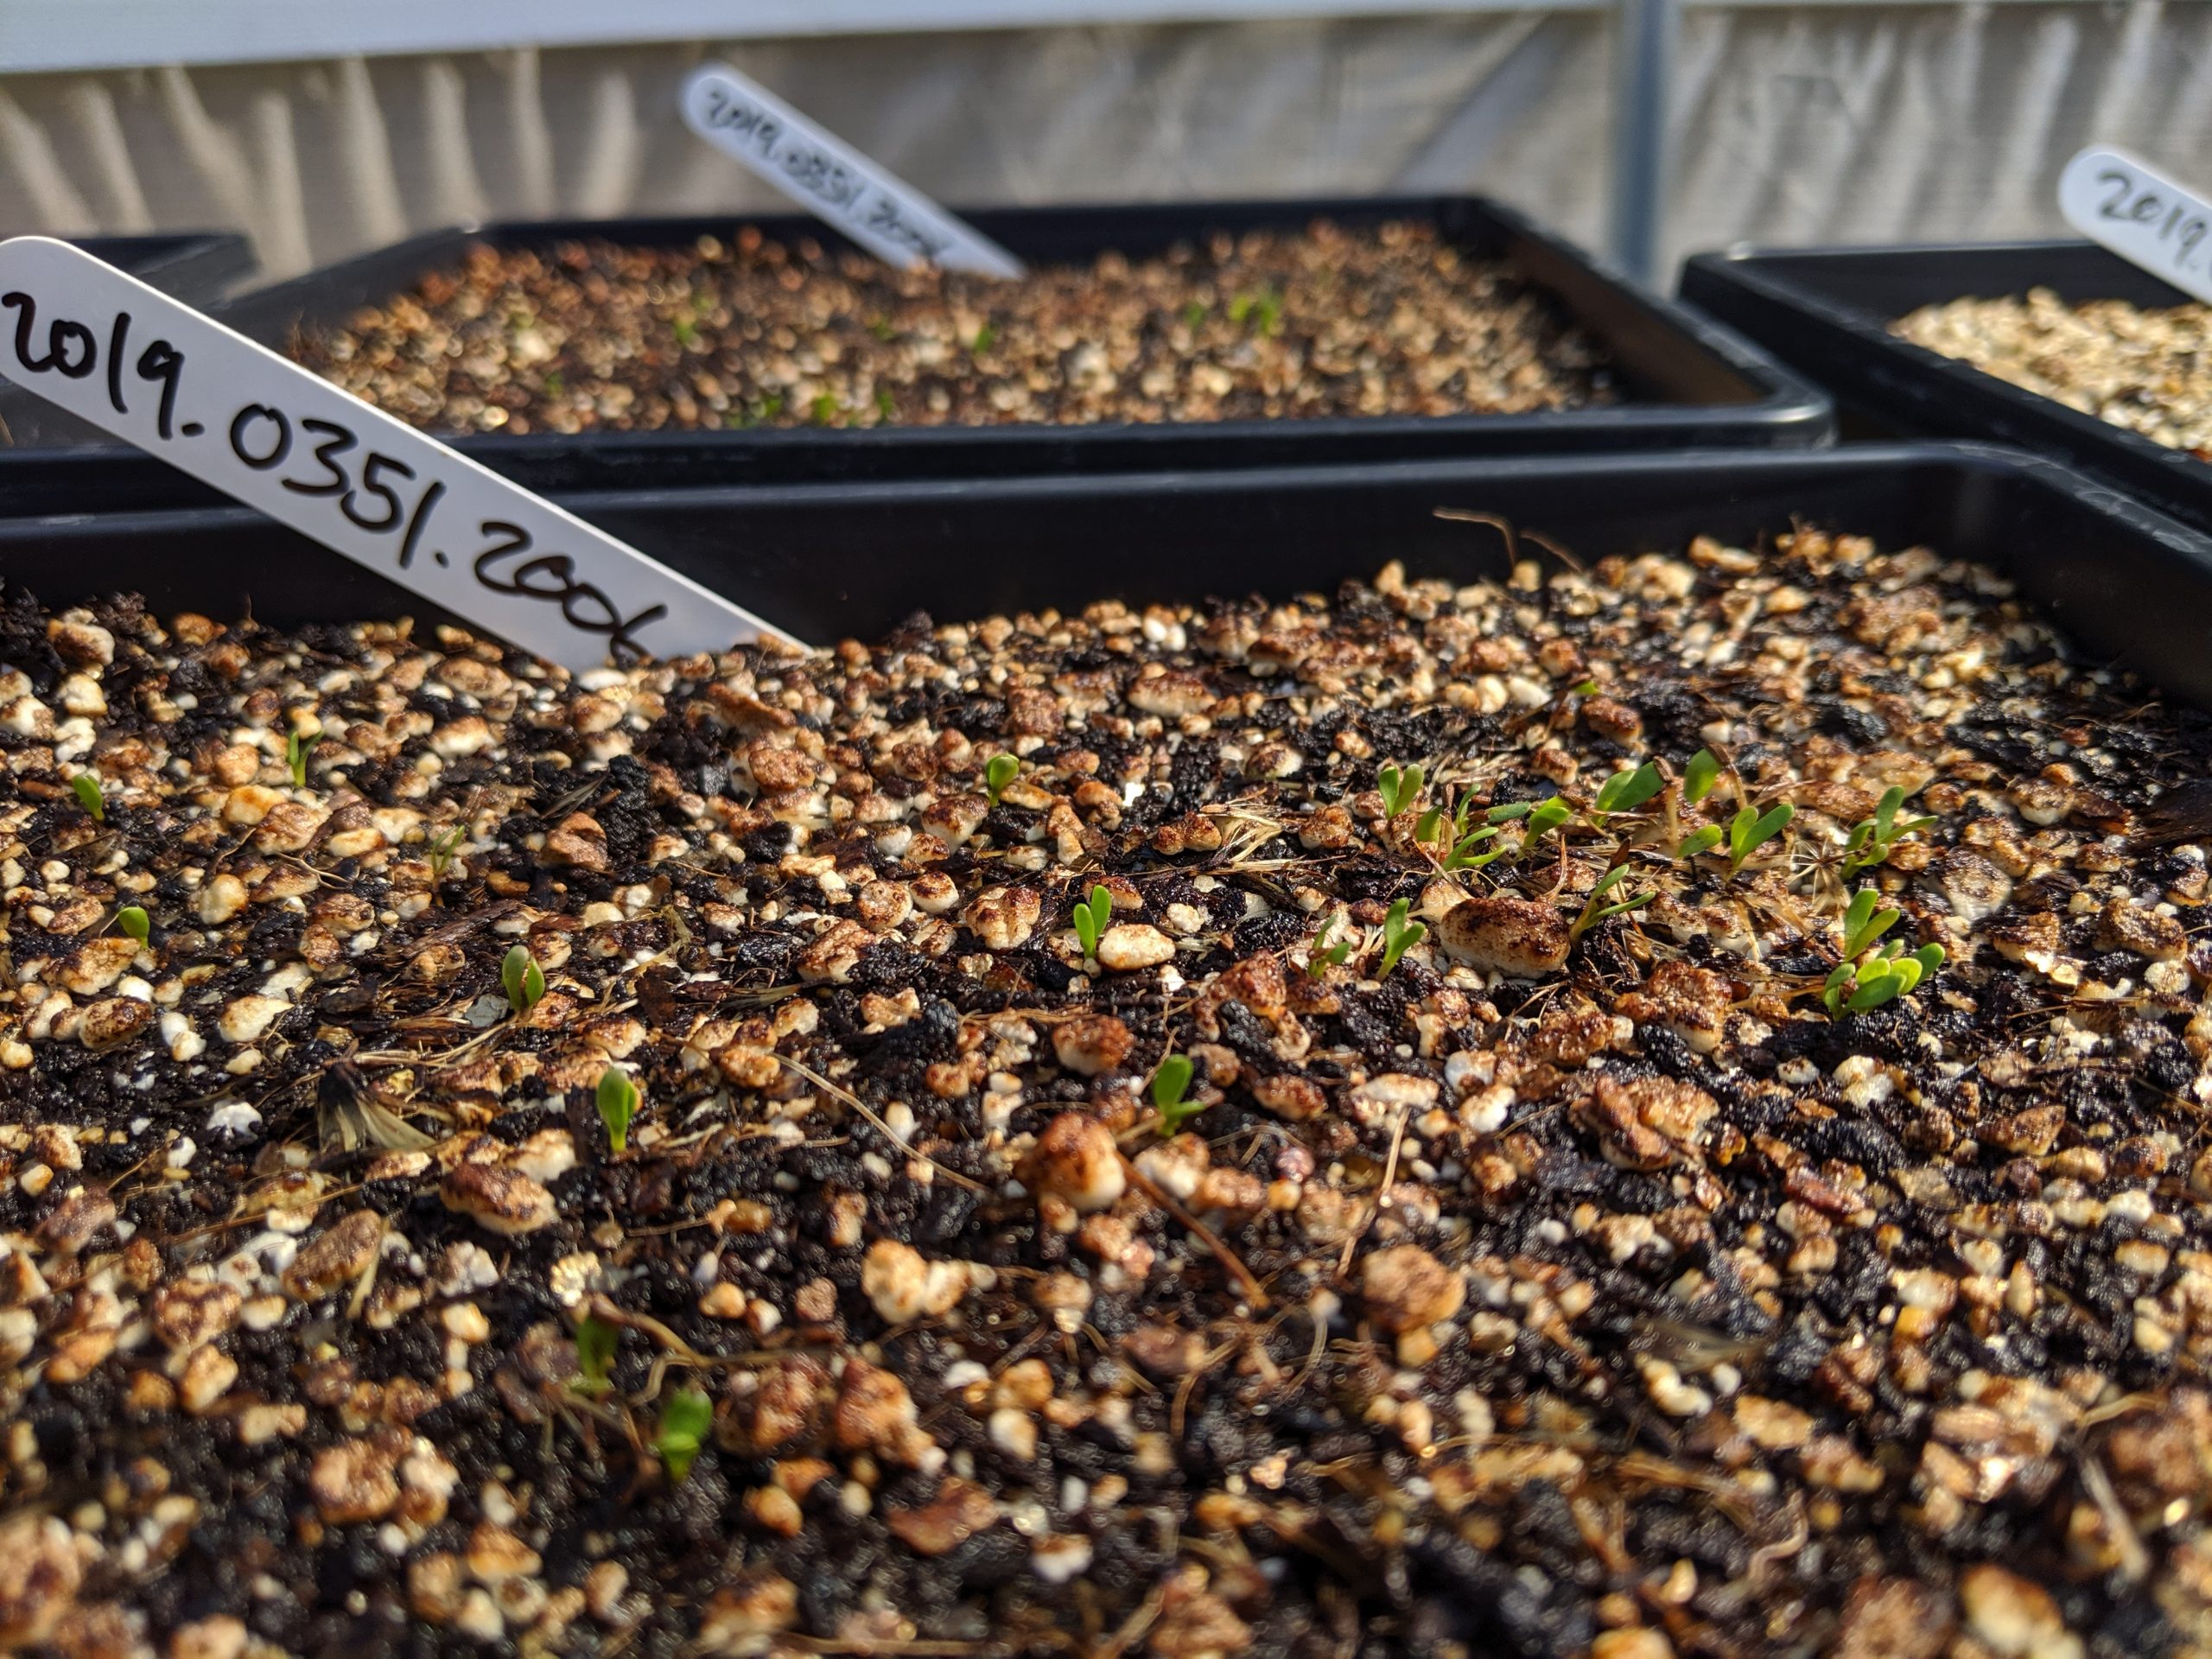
(112, 351)
(830, 179)
(2141, 215)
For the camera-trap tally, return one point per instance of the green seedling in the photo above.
(1399, 935)
(1325, 956)
(87, 790)
(687, 332)
(683, 1425)
(1699, 776)
(1750, 829)
(555, 384)
(132, 920)
(1400, 787)
(595, 1340)
(1865, 922)
(1872, 839)
(442, 852)
(1548, 815)
(985, 337)
(1699, 842)
(1883, 977)
(1193, 315)
(522, 979)
(1091, 916)
(296, 757)
(886, 406)
(1263, 311)
(618, 1104)
(881, 327)
(998, 772)
(1583, 689)
(1626, 791)
(824, 409)
(1595, 910)
(1435, 821)
(1171, 1085)
(1464, 855)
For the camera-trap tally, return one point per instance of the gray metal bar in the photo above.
(1645, 36)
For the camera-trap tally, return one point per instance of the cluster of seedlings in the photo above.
(1329, 321)
(1639, 1110)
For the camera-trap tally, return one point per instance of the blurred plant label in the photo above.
(830, 179)
(211, 402)
(2141, 215)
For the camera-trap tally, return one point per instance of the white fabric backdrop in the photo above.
(1845, 123)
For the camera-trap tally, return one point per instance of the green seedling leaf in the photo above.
(296, 757)
(556, 385)
(1593, 911)
(1463, 855)
(683, 1425)
(1699, 776)
(1583, 689)
(87, 790)
(1510, 811)
(1092, 917)
(687, 332)
(441, 851)
(886, 406)
(824, 409)
(1399, 935)
(1863, 923)
(132, 920)
(1400, 787)
(881, 327)
(985, 337)
(1001, 771)
(1324, 956)
(618, 1104)
(1929, 956)
(1750, 829)
(1431, 822)
(522, 979)
(1171, 1086)
(1548, 815)
(1699, 842)
(595, 1340)
(1193, 315)
(1626, 791)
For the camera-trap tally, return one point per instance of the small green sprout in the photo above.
(1463, 855)
(132, 920)
(556, 386)
(1325, 956)
(1583, 689)
(881, 327)
(442, 852)
(1263, 311)
(1092, 917)
(886, 406)
(1194, 314)
(985, 337)
(618, 1104)
(1864, 922)
(770, 407)
(522, 979)
(1510, 811)
(295, 756)
(87, 790)
(1400, 787)
(824, 409)
(683, 1425)
(1399, 935)
(1872, 839)
(1170, 1085)
(1001, 771)
(595, 1340)
(1750, 829)
(687, 334)
(1545, 816)
(1699, 776)
(1435, 821)
(1699, 842)
(1883, 977)
(1626, 791)
(1593, 911)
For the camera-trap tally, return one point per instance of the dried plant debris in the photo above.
(1591, 1269)
(2148, 369)
(1388, 319)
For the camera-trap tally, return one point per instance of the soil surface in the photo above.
(1334, 1245)
(1330, 322)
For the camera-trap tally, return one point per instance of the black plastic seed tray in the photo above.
(1686, 381)
(1826, 312)
(831, 561)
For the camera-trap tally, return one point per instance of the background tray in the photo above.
(859, 560)
(1826, 312)
(1697, 384)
